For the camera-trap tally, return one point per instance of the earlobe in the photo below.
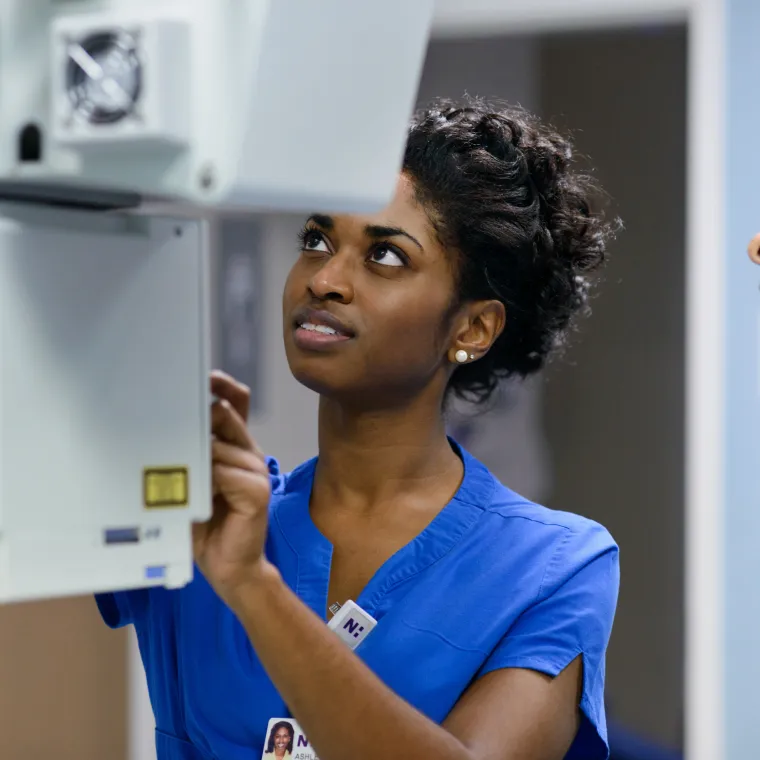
(462, 357)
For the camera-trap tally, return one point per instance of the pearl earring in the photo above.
(461, 356)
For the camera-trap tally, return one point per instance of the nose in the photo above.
(333, 281)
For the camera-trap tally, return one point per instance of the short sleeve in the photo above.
(571, 616)
(120, 608)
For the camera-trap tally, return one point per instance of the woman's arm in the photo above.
(347, 712)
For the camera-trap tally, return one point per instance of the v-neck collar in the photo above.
(314, 551)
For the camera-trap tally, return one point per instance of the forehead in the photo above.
(404, 200)
(403, 211)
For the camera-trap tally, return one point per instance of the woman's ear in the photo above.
(482, 323)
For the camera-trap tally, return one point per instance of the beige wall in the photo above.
(62, 683)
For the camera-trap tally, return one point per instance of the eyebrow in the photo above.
(371, 230)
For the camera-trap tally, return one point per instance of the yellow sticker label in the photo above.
(165, 487)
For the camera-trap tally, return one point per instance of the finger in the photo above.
(227, 425)
(245, 492)
(233, 456)
(224, 386)
(754, 249)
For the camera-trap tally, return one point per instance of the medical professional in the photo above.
(493, 613)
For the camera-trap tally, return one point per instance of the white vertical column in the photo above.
(723, 473)
(742, 390)
(705, 391)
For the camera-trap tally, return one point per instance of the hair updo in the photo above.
(501, 194)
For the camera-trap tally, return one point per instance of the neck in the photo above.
(369, 457)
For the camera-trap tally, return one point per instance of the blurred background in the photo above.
(600, 433)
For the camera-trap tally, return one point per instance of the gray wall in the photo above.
(615, 411)
(505, 68)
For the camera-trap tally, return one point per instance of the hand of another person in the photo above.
(754, 249)
(229, 548)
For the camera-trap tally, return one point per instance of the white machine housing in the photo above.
(104, 302)
(269, 104)
(104, 381)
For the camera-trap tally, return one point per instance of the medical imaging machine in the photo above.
(123, 125)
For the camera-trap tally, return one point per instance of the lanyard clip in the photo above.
(352, 624)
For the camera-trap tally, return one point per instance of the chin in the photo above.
(323, 373)
(322, 383)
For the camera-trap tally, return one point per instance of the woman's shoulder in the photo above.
(518, 514)
(559, 543)
(564, 544)
(540, 519)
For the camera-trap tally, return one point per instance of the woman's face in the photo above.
(365, 306)
(281, 739)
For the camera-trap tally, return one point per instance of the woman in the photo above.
(493, 613)
(280, 744)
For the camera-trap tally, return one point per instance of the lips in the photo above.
(322, 322)
(320, 331)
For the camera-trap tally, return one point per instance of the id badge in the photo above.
(286, 741)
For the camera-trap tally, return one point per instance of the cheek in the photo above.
(413, 331)
(296, 285)
(291, 283)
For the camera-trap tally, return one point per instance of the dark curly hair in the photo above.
(501, 192)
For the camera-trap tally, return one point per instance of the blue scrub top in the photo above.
(493, 582)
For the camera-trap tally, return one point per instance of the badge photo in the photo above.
(286, 741)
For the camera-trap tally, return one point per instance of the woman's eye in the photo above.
(314, 241)
(386, 256)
